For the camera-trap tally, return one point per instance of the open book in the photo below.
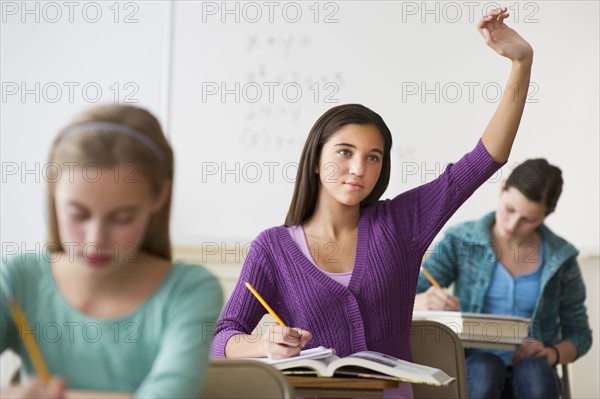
(481, 330)
(324, 363)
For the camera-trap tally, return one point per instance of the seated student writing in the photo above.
(356, 290)
(109, 309)
(510, 263)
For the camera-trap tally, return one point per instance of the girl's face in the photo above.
(350, 164)
(517, 217)
(103, 215)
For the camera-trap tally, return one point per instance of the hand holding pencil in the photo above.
(280, 341)
(36, 388)
(435, 298)
(32, 349)
(43, 386)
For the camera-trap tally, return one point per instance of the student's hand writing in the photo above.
(504, 40)
(533, 347)
(436, 299)
(281, 342)
(35, 388)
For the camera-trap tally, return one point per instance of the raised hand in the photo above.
(504, 40)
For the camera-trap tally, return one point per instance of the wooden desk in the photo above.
(337, 387)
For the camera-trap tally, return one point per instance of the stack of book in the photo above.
(481, 330)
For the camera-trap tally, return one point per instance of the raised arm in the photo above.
(500, 133)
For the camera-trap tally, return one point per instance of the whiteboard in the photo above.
(56, 60)
(249, 79)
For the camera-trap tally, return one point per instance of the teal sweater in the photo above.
(160, 350)
(466, 258)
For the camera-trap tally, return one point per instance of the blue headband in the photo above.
(115, 128)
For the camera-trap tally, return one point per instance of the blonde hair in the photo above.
(90, 140)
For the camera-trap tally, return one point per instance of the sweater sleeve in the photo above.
(180, 366)
(441, 264)
(422, 212)
(573, 317)
(243, 312)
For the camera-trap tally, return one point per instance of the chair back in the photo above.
(436, 345)
(241, 378)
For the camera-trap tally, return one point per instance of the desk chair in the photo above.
(436, 345)
(565, 386)
(237, 379)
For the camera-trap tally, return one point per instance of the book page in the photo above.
(319, 352)
(391, 366)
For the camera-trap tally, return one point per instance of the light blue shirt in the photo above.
(514, 296)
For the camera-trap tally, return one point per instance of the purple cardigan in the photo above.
(375, 311)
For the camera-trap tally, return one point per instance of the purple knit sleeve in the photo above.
(243, 312)
(422, 212)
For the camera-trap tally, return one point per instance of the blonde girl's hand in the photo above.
(35, 388)
(504, 40)
(282, 342)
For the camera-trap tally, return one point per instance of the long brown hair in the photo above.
(102, 143)
(306, 187)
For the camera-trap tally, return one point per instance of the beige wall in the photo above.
(585, 371)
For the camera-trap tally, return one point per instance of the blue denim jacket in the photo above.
(466, 258)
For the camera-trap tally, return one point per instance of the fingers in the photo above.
(530, 347)
(56, 388)
(281, 342)
(494, 16)
(438, 299)
(305, 336)
(498, 14)
(543, 353)
(502, 16)
(35, 388)
(452, 303)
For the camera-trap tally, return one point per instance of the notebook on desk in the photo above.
(481, 328)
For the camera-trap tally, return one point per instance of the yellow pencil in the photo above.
(265, 304)
(431, 279)
(30, 345)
